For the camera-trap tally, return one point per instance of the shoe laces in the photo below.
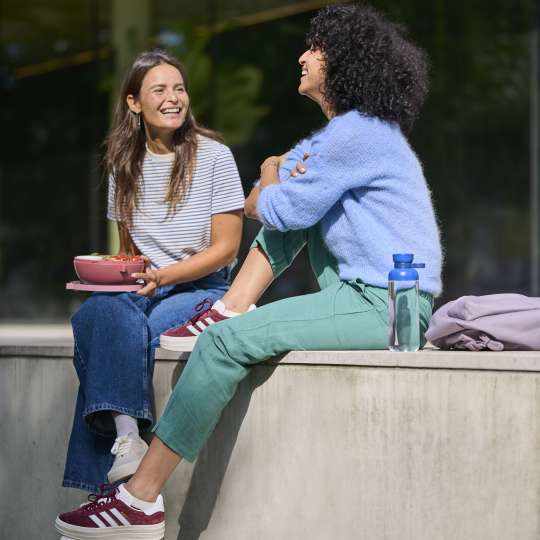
(122, 445)
(107, 493)
(201, 308)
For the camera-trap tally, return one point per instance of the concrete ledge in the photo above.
(427, 358)
(319, 445)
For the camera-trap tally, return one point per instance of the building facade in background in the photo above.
(62, 63)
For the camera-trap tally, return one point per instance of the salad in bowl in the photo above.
(108, 269)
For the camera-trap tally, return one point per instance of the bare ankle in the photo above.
(234, 304)
(142, 490)
(237, 308)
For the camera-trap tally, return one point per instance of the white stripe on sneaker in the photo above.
(201, 325)
(119, 516)
(97, 521)
(193, 330)
(210, 321)
(108, 519)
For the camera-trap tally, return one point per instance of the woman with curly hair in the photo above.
(354, 193)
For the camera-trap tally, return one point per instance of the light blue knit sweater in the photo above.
(365, 185)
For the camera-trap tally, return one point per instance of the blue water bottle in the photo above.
(403, 308)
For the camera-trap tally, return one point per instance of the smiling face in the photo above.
(312, 75)
(162, 101)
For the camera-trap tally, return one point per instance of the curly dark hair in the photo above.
(370, 65)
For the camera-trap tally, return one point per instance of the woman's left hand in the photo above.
(151, 278)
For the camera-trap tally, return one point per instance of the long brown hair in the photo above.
(126, 142)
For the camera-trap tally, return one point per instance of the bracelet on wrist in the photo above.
(273, 163)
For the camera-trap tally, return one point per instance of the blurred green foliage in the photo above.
(223, 94)
(472, 136)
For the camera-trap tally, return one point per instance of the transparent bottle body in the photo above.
(403, 316)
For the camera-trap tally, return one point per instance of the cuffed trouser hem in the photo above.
(277, 266)
(80, 485)
(280, 248)
(91, 416)
(166, 434)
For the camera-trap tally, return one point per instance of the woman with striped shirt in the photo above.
(176, 196)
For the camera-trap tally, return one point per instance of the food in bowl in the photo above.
(108, 269)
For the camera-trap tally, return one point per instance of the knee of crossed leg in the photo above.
(218, 336)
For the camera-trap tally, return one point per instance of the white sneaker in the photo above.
(129, 451)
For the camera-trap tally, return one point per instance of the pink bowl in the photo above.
(106, 272)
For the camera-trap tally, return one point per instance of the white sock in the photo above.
(220, 307)
(125, 425)
(125, 496)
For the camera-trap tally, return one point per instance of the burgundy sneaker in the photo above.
(112, 514)
(183, 337)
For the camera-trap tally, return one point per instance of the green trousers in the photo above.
(343, 315)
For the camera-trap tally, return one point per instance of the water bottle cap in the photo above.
(405, 260)
(403, 257)
(404, 268)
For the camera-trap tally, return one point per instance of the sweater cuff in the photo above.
(265, 209)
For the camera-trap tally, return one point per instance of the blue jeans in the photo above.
(115, 337)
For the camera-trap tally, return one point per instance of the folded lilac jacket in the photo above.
(494, 322)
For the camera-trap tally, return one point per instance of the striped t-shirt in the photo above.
(215, 188)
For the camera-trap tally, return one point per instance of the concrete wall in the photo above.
(322, 446)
